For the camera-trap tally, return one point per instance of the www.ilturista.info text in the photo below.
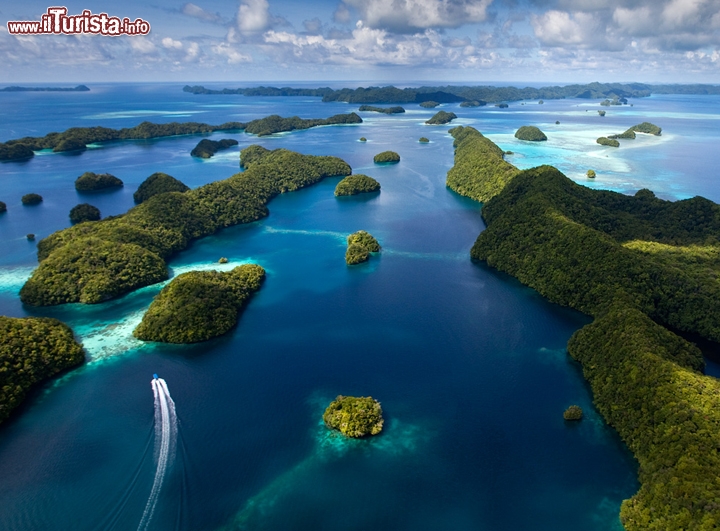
(57, 22)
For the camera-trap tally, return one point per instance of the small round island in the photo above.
(354, 416)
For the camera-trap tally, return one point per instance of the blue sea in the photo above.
(470, 366)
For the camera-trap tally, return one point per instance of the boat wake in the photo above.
(165, 445)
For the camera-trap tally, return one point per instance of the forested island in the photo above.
(356, 184)
(79, 88)
(84, 212)
(530, 133)
(441, 118)
(94, 262)
(643, 268)
(207, 148)
(480, 94)
(604, 141)
(158, 183)
(384, 110)
(33, 349)
(77, 138)
(199, 305)
(354, 416)
(429, 104)
(95, 182)
(360, 245)
(386, 157)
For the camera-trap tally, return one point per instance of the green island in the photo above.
(591, 174)
(277, 124)
(30, 237)
(77, 138)
(646, 270)
(207, 148)
(604, 141)
(386, 157)
(93, 182)
(601, 113)
(158, 183)
(31, 199)
(84, 212)
(473, 103)
(530, 133)
(354, 416)
(363, 139)
(441, 118)
(502, 105)
(384, 110)
(94, 262)
(360, 245)
(79, 88)
(3, 207)
(356, 184)
(33, 349)
(481, 93)
(429, 104)
(424, 140)
(645, 127)
(573, 413)
(199, 305)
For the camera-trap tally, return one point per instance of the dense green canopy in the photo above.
(92, 262)
(84, 212)
(207, 148)
(158, 183)
(354, 416)
(531, 133)
(386, 157)
(356, 184)
(91, 182)
(441, 118)
(32, 350)
(199, 305)
(31, 199)
(360, 245)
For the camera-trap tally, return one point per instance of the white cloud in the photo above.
(414, 15)
(342, 14)
(142, 45)
(195, 11)
(559, 28)
(637, 22)
(253, 16)
(232, 55)
(170, 43)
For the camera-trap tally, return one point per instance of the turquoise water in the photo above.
(470, 366)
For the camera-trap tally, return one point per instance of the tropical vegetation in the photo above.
(32, 350)
(531, 133)
(384, 110)
(356, 184)
(158, 183)
(429, 104)
(207, 148)
(84, 212)
(604, 141)
(354, 416)
(31, 199)
(93, 262)
(386, 157)
(92, 182)
(441, 117)
(360, 245)
(199, 305)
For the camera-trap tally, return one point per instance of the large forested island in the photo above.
(199, 305)
(479, 94)
(644, 268)
(384, 110)
(77, 138)
(14, 88)
(94, 262)
(32, 349)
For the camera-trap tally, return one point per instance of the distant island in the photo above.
(424, 140)
(384, 110)
(33, 350)
(199, 305)
(429, 104)
(95, 182)
(386, 157)
(79, 88)
(530, 133)
(644, 269)
(77, 138)
(480, 94)
(441, 118)
(473, 103)
(207, 148)
(95, 262)
(354, 416)
(356, 184)
(604, 141)
(360, 245)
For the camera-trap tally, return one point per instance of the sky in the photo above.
(375, 41)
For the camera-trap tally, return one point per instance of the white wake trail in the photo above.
(165, 442)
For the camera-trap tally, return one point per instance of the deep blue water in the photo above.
(470, 366)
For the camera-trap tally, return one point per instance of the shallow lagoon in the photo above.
(469, 365)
